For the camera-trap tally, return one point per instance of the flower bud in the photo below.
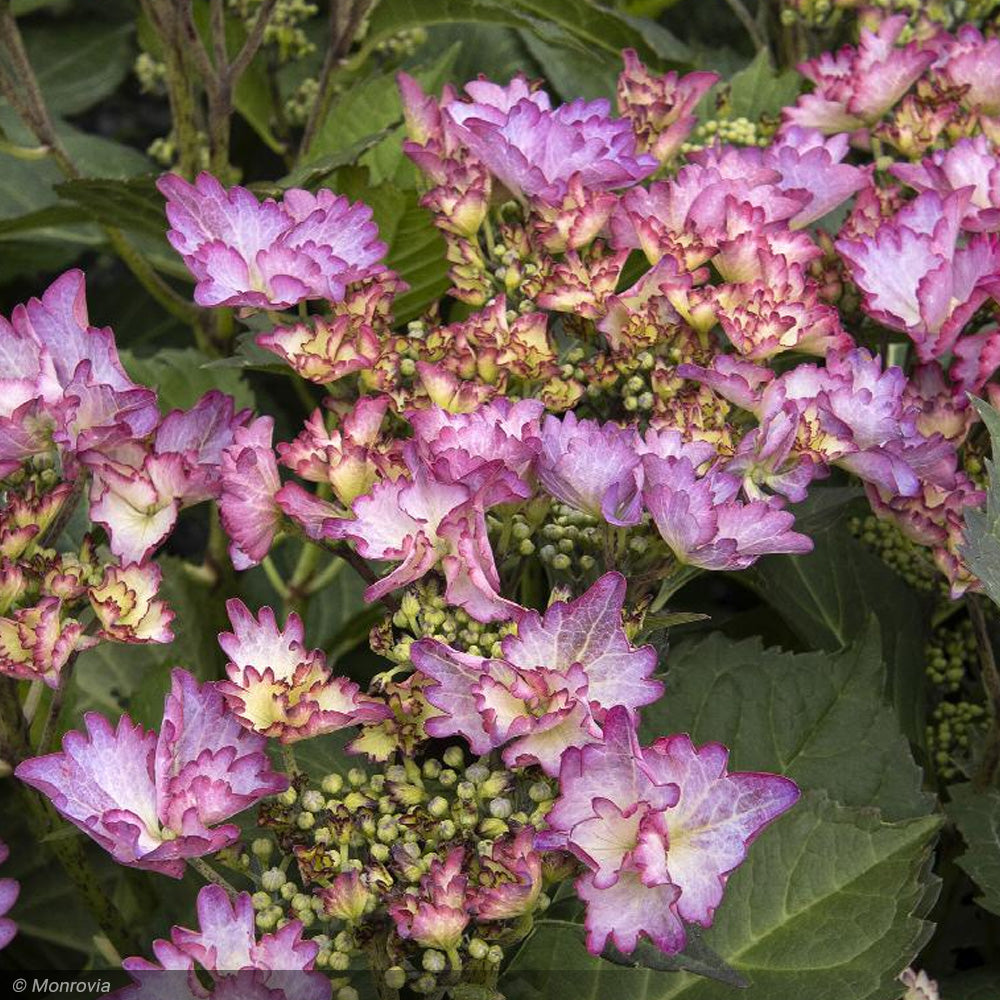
(395, 977)
(262, 848)
(272, 880)
(313, 801)
(433, 961)
(332, 784)
(478, 949)
(454, 757)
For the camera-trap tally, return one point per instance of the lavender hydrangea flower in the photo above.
(535, 150)
(591, 467)
(226, 946)
(659, 828)
(9, 891)
(552, 685)
(152, 801)
(269, 255)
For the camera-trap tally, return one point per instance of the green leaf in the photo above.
(577, 24)
(829, 905)
(979, 984)
(977, 815)
(374, 105)
(982, 545)
(817, 718)
(181, 378)
(570, 74)
(132, 203)
(311, 174)
(78, 64)
(827, 597)
(759, 89)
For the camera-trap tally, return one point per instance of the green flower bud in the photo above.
(340, 961)
(272, 880)
(433, 961)
(454, 757)
(261, 900)
(500, 808)
(495, 955)
(478, 949)
(438, 806)
(288, 890)
(305, 821)
(332, 784)
(431, 768)
(395, 977)
(313, 801)
(356, 777)
(288, 797)
(262, 848)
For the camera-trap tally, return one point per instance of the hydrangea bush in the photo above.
(531, 529)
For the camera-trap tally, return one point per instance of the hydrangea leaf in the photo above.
(982, 548)
(827, 596)
(817, 718)
(977, 815)
(759, 89)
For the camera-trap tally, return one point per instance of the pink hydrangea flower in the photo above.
(535, 150)
(551, 687)
(10, 889)
(436, 916)
(704, 524)
(467, 447)
(247, 506)
(37, 642)
(226, 946)
(269, 255)
(806, 161)
(780, 311)
(856, 86)
(971, 63)
(591, 467)
(515, 882)
(659, 828)
(660, 107)
(968, 163)
(349, 457)
(976, 360)
(152, 801)
(62, 382)
(420, 523)
(278, 688)
(126, 607)
(915, 277)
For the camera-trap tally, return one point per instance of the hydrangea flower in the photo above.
(152, 801)
(63, 384)
(660, 107)
(915, 277)
(971, 64)
(659, 828)
(269, 255)
(704, 524)
(590, 467)
(37, 642)
(349, 457)
(552, 684)
(125, 605)
(856, 86)
(420, 523)
(249, 482)
(10, 889)
(968, 163)
(278, 688)
(436, 916)
(515, 878)
(535, 150)
(466, 447)
(226, 946)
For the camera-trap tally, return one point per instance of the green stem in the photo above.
(209, 874)
(323, 579)
(288, 760)
(678, 577)
(55, 707)
(275, 578)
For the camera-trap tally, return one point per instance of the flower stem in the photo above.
(55, 706)
(288, 760)
(209, 874)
